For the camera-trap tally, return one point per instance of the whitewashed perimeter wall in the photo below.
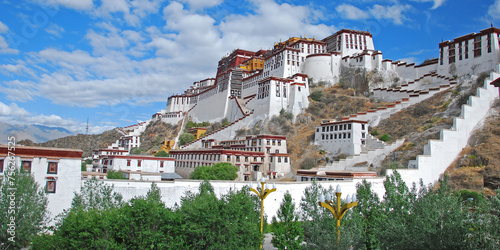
(439, 154)
(211, 109)
(171, 192)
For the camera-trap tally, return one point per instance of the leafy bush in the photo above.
(162, 153)
(308, 163)
(385, 137)
(219, 171)
(316, 95)
(112, 174)
(135, 151)
(374, 132)
(186, 138)
(286, 115)
(191, 124)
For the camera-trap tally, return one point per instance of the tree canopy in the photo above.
(218, 171)
(23, 212)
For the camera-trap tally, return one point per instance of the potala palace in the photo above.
(252, 86)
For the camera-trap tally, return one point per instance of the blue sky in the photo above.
(117, 61)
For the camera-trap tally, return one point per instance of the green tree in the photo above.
(231, 222)
(186, 138)
(218, 171)
(162, 153)
(96, 195)
(316, 95)
(154, 193)
(135, 151)
(112, 174)
(22, 209)
(287, 232)
(318, 223)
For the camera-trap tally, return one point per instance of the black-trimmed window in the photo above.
(52, 167)
(26, 165)
(1, 165)
(50, 186)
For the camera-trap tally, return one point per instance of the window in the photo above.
(237, 159)
(279, 142)
(26, 166)
(50, 186)
(246, 158)
(139, 163)
(362, 126)
(279, 159)
(128, 163)
(274, 143)
(348, 126)
(228, 158)
(161, 164)
(285, 159)
(363, 135)
(52, 168)
(1, 165)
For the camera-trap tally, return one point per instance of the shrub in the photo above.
(162, 153)
(186, 138)
(308, 163)
(385, 137)
(316, 95)
(219, 171)
(112, 174)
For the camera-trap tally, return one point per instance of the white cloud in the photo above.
(494, 10)
(12, 110)
(436, 5)
(3, 27)
(17, 69)
(19, 91)
(351, 12)
(394, 12)
(55, 30)
(4, 46)
(119, 69)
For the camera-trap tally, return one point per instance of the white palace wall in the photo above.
(172, 192)
(211, 107)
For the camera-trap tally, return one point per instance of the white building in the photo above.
(56, 170)
(346, 136)
(473, 53)
(254, 156)
(139, 167)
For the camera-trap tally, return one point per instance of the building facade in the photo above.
(347, 136)
(56, 170)
(255, 157)
(474, 53)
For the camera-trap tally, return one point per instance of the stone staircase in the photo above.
(439, 154)
(369, 156)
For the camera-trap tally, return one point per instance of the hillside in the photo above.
(478, 167)
(84, 142)
(155, 133)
